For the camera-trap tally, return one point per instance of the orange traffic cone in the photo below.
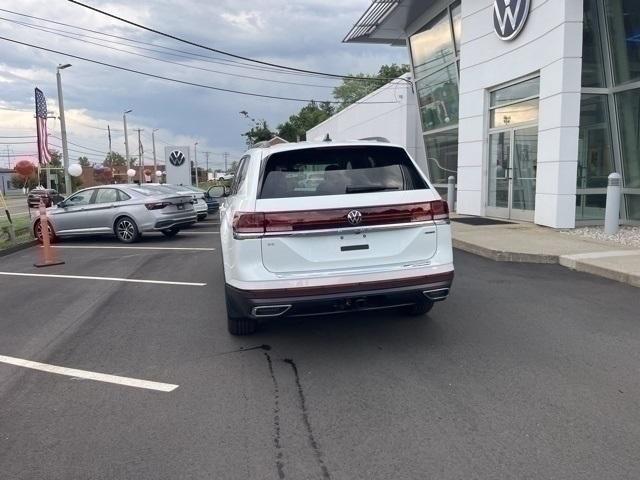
(48, 257)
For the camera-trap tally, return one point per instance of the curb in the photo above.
(567, 261)
(501, 256)
(572, 263)
(17, 248)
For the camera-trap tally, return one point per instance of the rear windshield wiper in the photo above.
(368, 188)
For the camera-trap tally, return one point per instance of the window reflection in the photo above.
(623, 17)
(595, 154)
(432, 48)
(438, 98)
(514, 114)
(592, 64)
(442, 155)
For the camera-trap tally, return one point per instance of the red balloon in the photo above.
(24, 168)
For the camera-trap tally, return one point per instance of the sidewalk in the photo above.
(526, 242)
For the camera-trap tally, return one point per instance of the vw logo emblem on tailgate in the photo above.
(354, 217)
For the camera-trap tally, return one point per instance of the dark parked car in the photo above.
(213, 205)
(49, 196)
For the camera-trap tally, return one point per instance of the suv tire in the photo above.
(170, 232)
(237, 324)
(418, 309)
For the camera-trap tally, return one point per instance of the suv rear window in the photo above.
(338, 171)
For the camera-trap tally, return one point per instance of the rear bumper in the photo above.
(333, 299)
(174, 222)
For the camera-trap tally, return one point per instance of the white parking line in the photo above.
(107, 279)
(90, 247)
(99, 377)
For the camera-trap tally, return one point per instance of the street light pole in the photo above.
(195, 159)
(155, 162)
(63, 130)
(126, 142)
(141, 158)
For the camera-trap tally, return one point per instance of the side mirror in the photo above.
(217, 192)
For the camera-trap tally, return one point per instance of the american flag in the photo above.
(41, 124)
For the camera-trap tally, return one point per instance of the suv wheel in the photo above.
(126, 230)
(417, 309)
(170, 232)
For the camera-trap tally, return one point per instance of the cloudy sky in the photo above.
(300, 33)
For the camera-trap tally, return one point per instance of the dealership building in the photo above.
(530, 103)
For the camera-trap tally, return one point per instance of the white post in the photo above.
(612, 212)
(63, 131)
(451, 193)
(126, 144)
(155, 162)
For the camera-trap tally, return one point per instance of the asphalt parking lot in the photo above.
(527, 371)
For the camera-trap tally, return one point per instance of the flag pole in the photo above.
(38, 133)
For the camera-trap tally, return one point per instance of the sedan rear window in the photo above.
(338, 171)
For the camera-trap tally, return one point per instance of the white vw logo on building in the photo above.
(354, 217)
(509, 17)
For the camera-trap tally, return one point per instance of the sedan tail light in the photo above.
(157, 205)
(257, 224)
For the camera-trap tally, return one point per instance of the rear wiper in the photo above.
(368, 188)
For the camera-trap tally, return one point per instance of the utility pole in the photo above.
(226, 157)
(109, 135)
(126, 143)
(140, 154)
(155, 162)
(207, 172)
(195, 159)
(63, 130)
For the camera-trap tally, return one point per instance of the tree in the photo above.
(258, 133)
(83, 162)
(114, 159)
(308, 117)
(234, 167)
(353, 90)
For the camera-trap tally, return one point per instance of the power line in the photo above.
(78, 145)
(17, 143)
(222, 52)
(72, 35)
(19, 136)
(203, 58)
(175, 80)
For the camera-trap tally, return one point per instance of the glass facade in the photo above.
(434, 54)
(610, 107)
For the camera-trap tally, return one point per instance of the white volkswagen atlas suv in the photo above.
(369, 232)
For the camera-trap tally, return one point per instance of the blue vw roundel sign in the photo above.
(509, 17)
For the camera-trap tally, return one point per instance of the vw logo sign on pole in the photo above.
(176, 158)
(354, 217)
(509, 17)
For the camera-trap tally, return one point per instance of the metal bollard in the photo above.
(451, 193)
(612, 212)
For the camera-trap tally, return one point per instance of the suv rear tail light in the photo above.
(257, 224)
(248, 223)
(157, 205)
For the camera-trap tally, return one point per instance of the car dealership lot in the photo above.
(528, 371)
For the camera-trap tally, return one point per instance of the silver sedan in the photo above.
(124, 210)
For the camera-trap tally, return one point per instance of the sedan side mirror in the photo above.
(61, 204)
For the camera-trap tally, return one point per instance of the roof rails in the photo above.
(375, 139)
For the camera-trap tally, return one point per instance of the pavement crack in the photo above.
(245, 349)
(276, 419)
(307, 422)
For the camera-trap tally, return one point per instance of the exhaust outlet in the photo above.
(437, 294)
(270, 311)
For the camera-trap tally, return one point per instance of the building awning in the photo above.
(386, 21)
